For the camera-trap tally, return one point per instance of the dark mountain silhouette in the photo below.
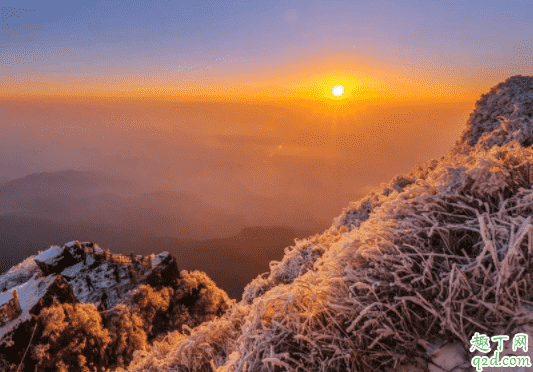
(94, 199)
(68, 183)
(233, 262)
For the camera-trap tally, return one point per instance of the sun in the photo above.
(338, 90)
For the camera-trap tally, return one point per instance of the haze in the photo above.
(216, 116)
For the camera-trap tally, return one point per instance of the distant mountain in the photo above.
(233, 262)
(69, 183)
(185, 215)
(51, 193)
(93, 199)
(4, 179)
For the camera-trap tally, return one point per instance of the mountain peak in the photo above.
(502, 115)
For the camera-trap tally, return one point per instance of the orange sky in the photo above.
(309, 80)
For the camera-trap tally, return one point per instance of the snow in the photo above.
(70, 244)
(4, 297)
(50, 256)
(103, 280)
(90, 260)
(19, 274)
(31, 292)
(29, 295)
(449, 357)
(159, 258)
(73, 271)
(443, 357)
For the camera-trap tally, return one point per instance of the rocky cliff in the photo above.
(90, 279)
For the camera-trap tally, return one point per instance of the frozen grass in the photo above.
(433, 256)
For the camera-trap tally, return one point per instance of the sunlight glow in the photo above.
(338, 90)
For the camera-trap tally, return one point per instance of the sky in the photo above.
(232, 100)
(252, 48)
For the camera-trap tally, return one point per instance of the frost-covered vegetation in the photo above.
(78, 337)
(435, 255)
(72, 339)
(432, 256)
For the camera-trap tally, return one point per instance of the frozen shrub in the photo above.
(502, 115)
(197, 349)
(194, 306)
(149, 305)
(298, 259)
(436, 255)
(358, 212)
(199, 294)
(72, 339)
(194, 299)
(127, 334)
(412, 271)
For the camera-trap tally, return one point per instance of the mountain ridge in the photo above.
(253, 253)
(79, 277)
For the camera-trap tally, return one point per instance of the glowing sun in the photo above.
(338, 90)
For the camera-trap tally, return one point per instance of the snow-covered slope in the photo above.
(19, 274)
(404, 277)
(75, 272)
(29, 295)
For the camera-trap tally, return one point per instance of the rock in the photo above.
(60, 291)
(54, 260)
(165, 274)
(35, 295)
(109, 278)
